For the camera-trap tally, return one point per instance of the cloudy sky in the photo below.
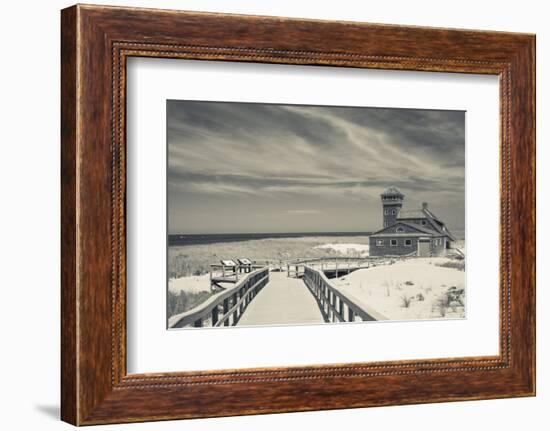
(243, 168)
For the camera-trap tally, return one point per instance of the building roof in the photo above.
(420, 231)
(433, 226)
(424, 229)
(431, 215)
(392, 189)
(424, 213)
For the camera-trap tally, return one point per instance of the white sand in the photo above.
(194, 284)
(347, 249)
(383, 288)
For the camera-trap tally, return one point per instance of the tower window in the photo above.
(386, 211)
(393, 212)
(423, 222)
(393, 242)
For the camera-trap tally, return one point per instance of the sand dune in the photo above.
(385, 287)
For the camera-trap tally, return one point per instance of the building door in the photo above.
(424, 247)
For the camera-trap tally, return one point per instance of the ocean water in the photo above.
(197, 239)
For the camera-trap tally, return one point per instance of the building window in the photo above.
(423, 222)
(379, 242)
(400, 229)
(408, 242)
(393, 212)
(386, 211)
(393, 242)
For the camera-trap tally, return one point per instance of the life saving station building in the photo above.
(413, 232)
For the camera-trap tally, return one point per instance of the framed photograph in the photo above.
(264, 215)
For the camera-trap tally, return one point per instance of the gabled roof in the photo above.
(422, 230)
(431, 214)
(424, 213)
(447, 232)
(419, 227)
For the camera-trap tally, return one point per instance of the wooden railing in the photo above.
(220, 273)
(337, 265)
(226, 307)
(335, 305)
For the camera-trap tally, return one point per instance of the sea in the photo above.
(198, 239)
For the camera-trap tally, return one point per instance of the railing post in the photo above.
(225, 311)
(215, 315)
(236, 311)
(351, 315)
(241, 294)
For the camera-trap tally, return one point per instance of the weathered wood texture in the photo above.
(95, 44)
(68, 217)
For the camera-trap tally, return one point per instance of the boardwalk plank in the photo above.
(282, 301)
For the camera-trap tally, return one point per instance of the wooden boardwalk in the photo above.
(282, 301)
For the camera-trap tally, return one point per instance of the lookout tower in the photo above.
(392, 201)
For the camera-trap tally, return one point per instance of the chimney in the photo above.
(424, 205)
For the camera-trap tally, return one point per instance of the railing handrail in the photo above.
(239, 265)
(303, 260)
(364, 312)
(205, 309)
(328, 258)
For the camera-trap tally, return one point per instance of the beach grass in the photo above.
(185, 261)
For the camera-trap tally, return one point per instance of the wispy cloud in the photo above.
(260, 154)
